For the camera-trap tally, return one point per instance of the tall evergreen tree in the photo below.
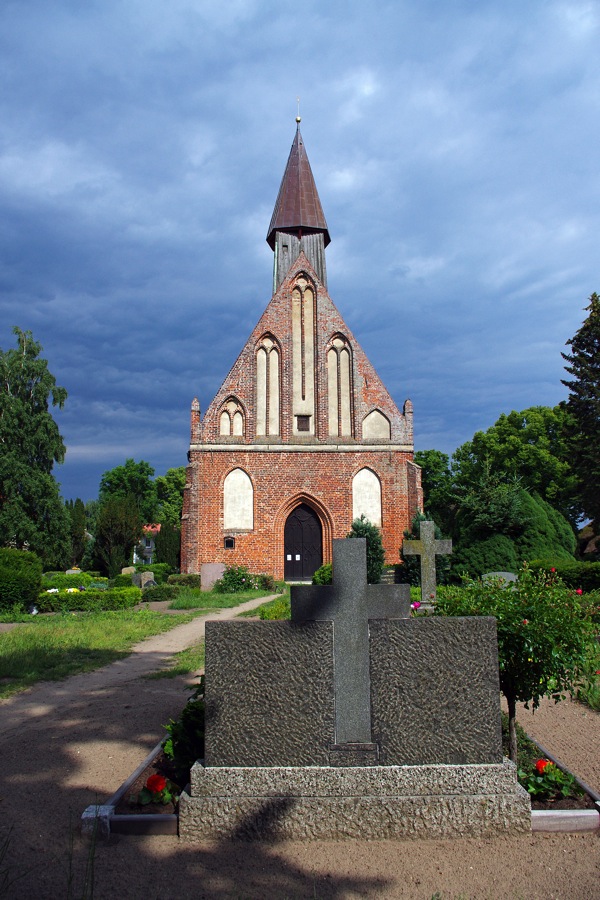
(583, 364)
(32, 514)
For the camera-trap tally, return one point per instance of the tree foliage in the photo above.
(362, 528)
(76, 510)
(506, 496)
(529, 447)
(169, 492)
(133, 480)
(32, 515)
(543, 634)
(167, 546)
(583, 406)
(118, 529)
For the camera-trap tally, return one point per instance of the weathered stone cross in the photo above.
(427, 548)
(349, 603)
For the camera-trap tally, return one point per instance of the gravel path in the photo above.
(64, 746)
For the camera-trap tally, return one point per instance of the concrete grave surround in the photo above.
(400, 740)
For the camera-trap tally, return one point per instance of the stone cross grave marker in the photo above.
(349, 603)
(427, 548)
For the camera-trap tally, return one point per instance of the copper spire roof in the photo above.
(298, 207)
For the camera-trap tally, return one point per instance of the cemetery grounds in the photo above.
(70, 743)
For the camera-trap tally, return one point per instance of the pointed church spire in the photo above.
(298, 222)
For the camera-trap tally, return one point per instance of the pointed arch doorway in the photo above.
(303, 544)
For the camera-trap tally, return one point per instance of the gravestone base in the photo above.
(354, 802)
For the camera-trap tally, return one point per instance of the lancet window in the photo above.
(231, 418)
(267, 386)
(339, 387)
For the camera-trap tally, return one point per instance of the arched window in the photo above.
(238, 502)
(267, 386)
(366, 496)
(339, 387)
(376, 425)
(231, 420)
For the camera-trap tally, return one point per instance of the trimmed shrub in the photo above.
(89, 600)
(323, 575)
(185, 580)
(121, 581)
(492, 554)
(20, 578)
(267, 583)
(584, 575)
(62, 581)
(160, 593)
(362, 528)
(235, 580)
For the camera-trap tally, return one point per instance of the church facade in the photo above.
(302, 437)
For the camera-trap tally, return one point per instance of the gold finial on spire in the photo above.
(298, 119)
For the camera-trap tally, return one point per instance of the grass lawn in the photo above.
(192, 598)
(48, 648)
(188, 662)
(54, 647)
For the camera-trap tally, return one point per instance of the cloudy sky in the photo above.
(454, 146)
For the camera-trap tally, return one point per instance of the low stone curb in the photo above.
(101, 819)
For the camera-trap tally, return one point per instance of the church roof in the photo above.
(298, 207)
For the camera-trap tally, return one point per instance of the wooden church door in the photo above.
(303, 541)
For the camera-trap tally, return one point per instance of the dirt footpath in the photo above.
(66, 745)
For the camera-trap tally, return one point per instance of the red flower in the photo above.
(579, 591)
(541, 765)
(553, 569)
(525, 621)
(156, 784)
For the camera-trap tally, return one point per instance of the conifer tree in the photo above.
(32, 514)
(583, 404)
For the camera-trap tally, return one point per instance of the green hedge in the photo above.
(584, 575)
(61, 580)
(185, 580)
(20, 578)
(89, 601)
(160, 593)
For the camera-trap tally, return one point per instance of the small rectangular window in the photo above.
(303, 423)
(229, 543)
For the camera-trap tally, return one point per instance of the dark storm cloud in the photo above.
(141, 149)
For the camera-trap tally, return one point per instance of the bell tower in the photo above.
(298, 223)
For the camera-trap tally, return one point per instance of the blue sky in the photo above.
(455, 150)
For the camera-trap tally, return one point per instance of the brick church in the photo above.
(302, 437)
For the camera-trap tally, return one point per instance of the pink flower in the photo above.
(579, 591)
(415, 605)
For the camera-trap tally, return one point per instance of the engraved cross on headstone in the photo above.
(427, 548)
(349, 603)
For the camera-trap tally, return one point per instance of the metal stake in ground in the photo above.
(349, 603)
(427, 548)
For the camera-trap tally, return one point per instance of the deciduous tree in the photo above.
(134, 479)
(544, 633)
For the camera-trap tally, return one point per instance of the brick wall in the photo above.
(288, 469)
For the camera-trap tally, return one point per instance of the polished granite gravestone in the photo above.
(352, 720)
